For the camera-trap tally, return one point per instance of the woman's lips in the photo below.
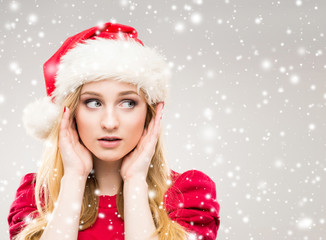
(109, 144)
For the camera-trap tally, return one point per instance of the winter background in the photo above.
(247, 100)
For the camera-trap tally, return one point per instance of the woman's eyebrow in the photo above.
(127, 93)
(120, 94)
(91, 93)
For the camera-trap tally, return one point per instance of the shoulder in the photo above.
(27, 184)
(23, 204)
(29, 178)
(192, 180)
(25, 191)
(193, 173)
(191, 201)
(191, 187)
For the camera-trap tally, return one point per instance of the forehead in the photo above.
(108, 83)
(110, 87)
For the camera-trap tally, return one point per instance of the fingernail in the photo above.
(64, 110)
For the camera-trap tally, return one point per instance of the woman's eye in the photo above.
(92, 103)
(128, 104)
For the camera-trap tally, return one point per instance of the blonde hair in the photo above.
(51, 171)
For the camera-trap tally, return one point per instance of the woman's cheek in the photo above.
(85, 122)
(137, 123)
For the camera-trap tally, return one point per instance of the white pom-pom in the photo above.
(39, 117)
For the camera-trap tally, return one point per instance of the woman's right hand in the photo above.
(76, 158)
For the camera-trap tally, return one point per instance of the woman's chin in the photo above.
(106, 158)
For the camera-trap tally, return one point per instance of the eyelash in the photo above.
(124, 100)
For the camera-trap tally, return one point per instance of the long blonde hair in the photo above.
(51, 171)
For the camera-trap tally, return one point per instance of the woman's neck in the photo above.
(108, 176)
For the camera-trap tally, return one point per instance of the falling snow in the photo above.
(247, 101)
(2, 98)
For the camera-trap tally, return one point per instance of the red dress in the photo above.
(190, 201)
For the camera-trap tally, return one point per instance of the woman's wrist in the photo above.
(135, 179)
(65, 217)
(73, 173)
(135, 185)
(74, 177)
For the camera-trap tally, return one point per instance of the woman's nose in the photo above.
(110, 119)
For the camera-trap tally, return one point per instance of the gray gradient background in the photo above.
(247, 100)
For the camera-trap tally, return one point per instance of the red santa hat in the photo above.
(109, 51)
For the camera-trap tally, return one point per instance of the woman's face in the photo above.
(106, 109)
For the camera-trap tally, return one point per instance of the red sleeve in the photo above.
(23, 205)
(191, 201)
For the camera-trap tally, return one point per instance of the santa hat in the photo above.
(109, 51)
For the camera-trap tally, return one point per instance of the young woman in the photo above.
(104, 173)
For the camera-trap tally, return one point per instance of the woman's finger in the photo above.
(67, 131)
(150, 135)
(154, 129)
(74, 132)
(64, 123)
(158, 117)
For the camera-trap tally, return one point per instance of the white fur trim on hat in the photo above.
(39, 117)
(121, 60)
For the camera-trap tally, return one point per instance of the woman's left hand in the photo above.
(136, 163)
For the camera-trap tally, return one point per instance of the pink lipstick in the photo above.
(109, 141)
